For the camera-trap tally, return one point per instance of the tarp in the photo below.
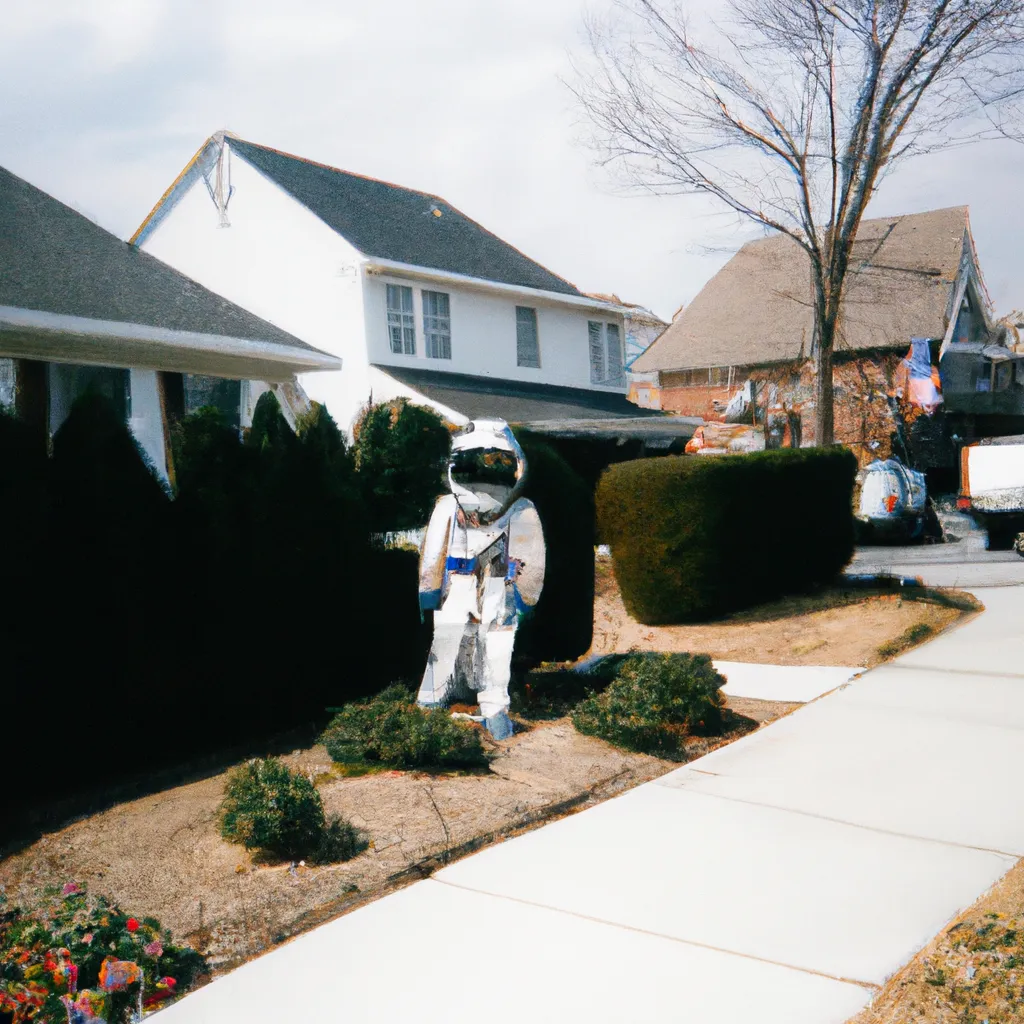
(925, 385)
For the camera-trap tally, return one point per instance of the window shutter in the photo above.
(597, 370)
(616, 370)
(527, 344)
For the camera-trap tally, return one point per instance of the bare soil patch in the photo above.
(162, 854)
(834, 627)
(972, 972)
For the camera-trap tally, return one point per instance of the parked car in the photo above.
(992, 489)
(893, 505)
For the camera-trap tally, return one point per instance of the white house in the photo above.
(416, 298)
(81, 308)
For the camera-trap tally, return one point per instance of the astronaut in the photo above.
(481, 571)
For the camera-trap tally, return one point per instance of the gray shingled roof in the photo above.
(513, 400)
(55, 260)
(393, 223)
(758, 309)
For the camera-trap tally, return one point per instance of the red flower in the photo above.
(132, 925)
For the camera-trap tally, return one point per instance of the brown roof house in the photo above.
(919, 362)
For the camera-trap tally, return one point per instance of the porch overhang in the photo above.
(60, 338)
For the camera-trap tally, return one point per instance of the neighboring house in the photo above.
(80, 308)
(418, 299)
(915, 320)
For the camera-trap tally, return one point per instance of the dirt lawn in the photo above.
(971, 973)
(833, 628)
(162, 855)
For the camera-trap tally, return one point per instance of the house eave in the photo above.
(61, 338)
(374, 265)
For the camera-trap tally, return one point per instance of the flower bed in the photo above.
(79, 958)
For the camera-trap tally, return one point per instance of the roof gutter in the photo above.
(59, 338)
(382, 266)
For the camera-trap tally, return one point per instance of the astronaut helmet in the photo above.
(487, 469)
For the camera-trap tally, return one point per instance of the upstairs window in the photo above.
(437, 325)
(606, 363)
(401, 322)
(527, 343)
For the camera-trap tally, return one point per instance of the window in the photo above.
(527, 345)
(7, 383)
(596, 333)
(401, 324)
(214, 392)
(606, 365)
(68, 382)
(437, 325)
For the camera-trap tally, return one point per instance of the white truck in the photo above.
(992, 489)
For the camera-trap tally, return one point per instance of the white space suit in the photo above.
(481, 569)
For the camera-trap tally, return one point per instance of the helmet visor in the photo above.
(472, 467)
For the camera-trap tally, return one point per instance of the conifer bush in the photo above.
(269, 807)
(392, 730)
(655, 703)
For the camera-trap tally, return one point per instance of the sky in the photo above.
(106, 100)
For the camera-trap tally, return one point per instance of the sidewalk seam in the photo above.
(835, 821)
(874, 987)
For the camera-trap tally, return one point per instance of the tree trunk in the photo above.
(824, 400)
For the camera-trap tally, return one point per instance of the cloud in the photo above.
(106, 100)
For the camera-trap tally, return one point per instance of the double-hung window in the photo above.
(401, 322)
(527, 342)
(606, 360)
(437, 325)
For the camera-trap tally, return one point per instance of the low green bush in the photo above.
(696, 537)
(269, 807)
(392, 730)
(656, 701)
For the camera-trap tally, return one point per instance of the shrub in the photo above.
(694, 537)
(562, 624)
(401, 454)
(62, 945)
(269, 807)
(392, 730)
(655, 703)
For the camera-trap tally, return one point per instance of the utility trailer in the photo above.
(992, 489)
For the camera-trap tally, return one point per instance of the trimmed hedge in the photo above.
(696, 537)
(561, 627)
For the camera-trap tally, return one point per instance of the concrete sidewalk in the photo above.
(779, 879)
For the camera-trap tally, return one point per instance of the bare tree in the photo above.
(790, 112)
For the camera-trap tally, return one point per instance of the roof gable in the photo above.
(57, 261)
(759, 308)
(400, 224)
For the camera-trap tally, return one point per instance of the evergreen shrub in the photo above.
(656, 701)
(696, 537)
(392, 730)
(269, 807)
(562, 624)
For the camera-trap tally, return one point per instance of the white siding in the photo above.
(483, 326)
(281, 262)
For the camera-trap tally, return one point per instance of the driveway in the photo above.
(780, 879)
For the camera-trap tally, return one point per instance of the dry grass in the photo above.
(971, 973)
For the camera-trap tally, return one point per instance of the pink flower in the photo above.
(70, 889)
(87, 938)
(154, 948)
(131, 924)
